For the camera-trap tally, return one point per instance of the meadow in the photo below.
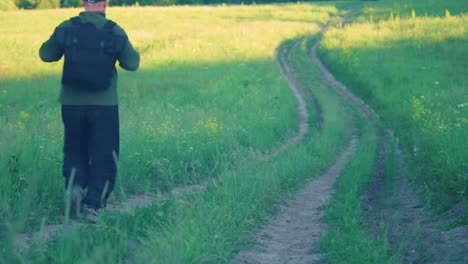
(181, 120)
(210, 106)
(408, 60)
(207, 101)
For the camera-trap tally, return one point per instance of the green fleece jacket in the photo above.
(128, 59)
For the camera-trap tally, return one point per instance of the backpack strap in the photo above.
(118, 41)
(109, 25)
(62, 35)
(66, 36)
(76, 21)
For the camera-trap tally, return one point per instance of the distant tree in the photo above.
(122, 2)
(166, 2)
(27, 4)
(31, 4)
(146, 2)
(149, 2)
(70, 3)
(115, 2)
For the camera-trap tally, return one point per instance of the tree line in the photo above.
(44, 4)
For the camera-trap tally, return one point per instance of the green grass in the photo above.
(7, 5)
(387, 9)
(243, 201)
(208, 88)
(346, 240)
(412, 70)
(212, 226)
(207, 102)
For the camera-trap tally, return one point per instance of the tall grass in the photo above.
(387, 9)
(212, 226)
(208, 97)
(346, 240)
(7, 5)
(412, 68)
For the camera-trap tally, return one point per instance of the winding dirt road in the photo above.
(415, 233)
(293, 234)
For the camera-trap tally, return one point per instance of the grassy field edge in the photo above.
(387, 57)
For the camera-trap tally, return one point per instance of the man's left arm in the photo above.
(50, 51)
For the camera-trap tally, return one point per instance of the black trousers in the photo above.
(91, 149)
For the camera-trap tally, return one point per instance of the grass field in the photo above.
(411, 67)
(209, 105)
(7, 5)
(207, 100)
(190, 121)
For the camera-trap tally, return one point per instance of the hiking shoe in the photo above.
(91, 215)
(76, 201)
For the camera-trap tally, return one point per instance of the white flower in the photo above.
(415, 150)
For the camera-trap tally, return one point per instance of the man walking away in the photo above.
(91, 45)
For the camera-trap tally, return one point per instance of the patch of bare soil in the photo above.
(292, 235)
(129, 205)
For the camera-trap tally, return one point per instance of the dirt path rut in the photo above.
(292, 236)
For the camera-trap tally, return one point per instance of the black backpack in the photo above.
(90, 54)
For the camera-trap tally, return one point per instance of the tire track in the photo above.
(366, 111)
(414, 232)
(283, 57)
(293, 234)
(417, 235)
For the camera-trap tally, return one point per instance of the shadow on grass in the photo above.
(237, 94)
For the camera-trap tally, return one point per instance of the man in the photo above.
(91, 45)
